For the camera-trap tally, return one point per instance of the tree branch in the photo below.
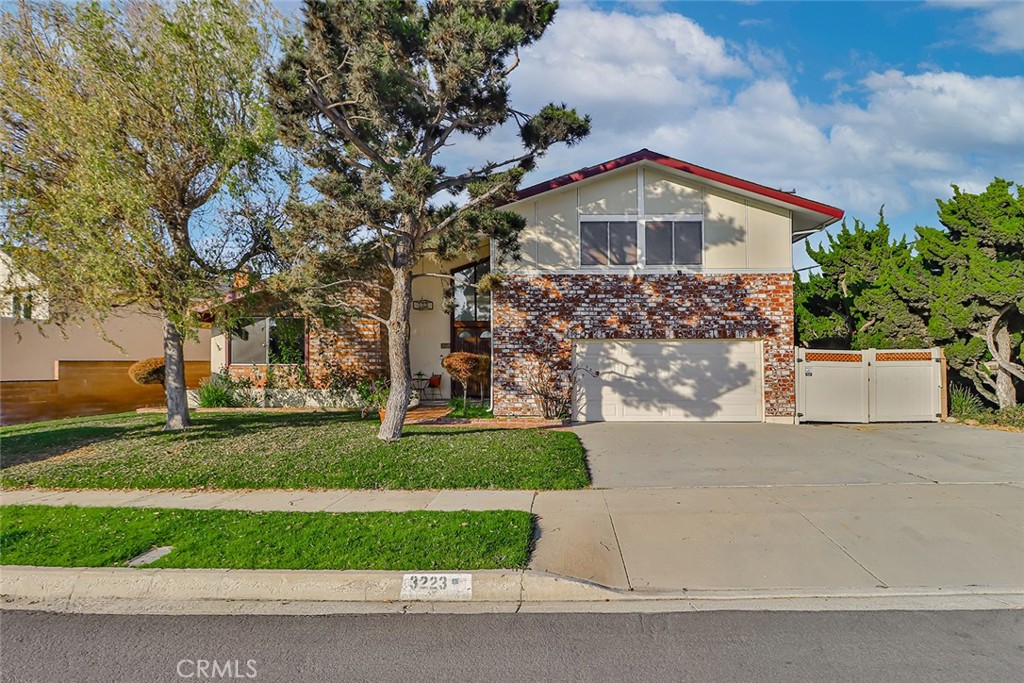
(475, 201)
(339, 120)
(480, 174)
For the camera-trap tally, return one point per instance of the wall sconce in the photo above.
(423, 305)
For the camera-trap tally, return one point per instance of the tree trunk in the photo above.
(1006, 392)
(174, 378)
(398, 354)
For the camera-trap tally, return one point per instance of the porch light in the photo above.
(423, 305)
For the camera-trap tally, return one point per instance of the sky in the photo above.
(855, 104)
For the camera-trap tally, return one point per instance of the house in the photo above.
(47, 373)
(648, 289)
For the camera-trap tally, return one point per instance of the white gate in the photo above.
(889, 385)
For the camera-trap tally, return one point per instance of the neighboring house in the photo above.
(648, 288)
(49, 373)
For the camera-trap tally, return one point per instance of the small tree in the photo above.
(973, 272)
(371, 94)
(466, 368)
(125, 126)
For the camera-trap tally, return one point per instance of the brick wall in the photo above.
(536, 318)
(354, 346)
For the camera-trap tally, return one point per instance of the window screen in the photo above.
(607, 243)
(673, 242)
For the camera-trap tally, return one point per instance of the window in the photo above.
(608, 243)
(673, 243)
(269, 341)
(471, 305)
(21, 305)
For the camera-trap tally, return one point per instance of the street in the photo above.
(715, 646)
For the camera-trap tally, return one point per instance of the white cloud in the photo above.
(660, 81)
(1000, 22)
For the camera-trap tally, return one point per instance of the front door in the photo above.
(471, 320)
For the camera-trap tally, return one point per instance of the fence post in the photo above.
(867, 359)
(944, 384)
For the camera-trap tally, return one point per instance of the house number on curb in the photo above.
(437, 587)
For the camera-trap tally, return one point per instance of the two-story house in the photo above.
(648, 289)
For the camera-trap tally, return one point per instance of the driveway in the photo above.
(658, 454)
(780, 508)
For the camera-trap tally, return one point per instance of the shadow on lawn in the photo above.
(38, 443)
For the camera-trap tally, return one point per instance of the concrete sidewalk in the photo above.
(340, 500)
(865, 536)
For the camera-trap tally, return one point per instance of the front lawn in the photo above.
(234, 539)
(283, 450)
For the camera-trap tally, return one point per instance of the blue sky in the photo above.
(855, 104)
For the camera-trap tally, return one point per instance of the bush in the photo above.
(217, 391)
(963, 402)
(466, 368)
(147, 371)
(1006, 417)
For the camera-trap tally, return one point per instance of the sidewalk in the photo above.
(759, 538)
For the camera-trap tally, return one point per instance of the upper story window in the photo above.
(608, 243)
(653, 242)
(673, 243)
(269, 341)
(471, 305)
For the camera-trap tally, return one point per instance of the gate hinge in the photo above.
(799, 414)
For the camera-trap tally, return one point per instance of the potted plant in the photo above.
(373, 395)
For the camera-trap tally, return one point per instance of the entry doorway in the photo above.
(471, 320)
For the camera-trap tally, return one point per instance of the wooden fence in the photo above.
(85, 388)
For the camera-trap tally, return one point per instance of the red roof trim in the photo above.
(699, 171)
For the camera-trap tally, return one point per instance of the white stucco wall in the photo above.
(740, 233)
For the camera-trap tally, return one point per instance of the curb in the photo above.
(325, 591)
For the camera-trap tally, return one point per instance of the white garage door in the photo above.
(668, 381)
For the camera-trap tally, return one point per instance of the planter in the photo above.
(382, 413)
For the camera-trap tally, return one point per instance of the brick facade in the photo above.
(536, 318)
(353, 346)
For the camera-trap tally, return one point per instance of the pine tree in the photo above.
(371, 93)
(974, 274)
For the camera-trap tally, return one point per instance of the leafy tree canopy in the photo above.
(371, 93)
(125, 125)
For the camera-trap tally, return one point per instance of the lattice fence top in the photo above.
(903, 355)
(834, 357)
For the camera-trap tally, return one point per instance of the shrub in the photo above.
(217, 391)
(147, 371)
(963, 402)
(373, 394)
(466, 368)
(1004, 417)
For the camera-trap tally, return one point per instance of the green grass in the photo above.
(283, 450)
(474, 411)
(234, 539)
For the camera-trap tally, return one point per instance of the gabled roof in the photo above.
(814, 213)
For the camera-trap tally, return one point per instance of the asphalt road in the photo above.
(874, 647)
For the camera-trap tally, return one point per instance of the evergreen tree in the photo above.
(974, 276)
(862, 297)
(371, 93)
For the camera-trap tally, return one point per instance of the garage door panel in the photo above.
(679, 380)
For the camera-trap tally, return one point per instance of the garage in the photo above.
(668, 380)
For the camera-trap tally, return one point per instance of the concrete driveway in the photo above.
(783, 508)
(642, 455)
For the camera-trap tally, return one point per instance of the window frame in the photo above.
(641, 240)
(266, 343)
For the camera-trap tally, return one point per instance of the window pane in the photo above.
(659, 243)
(248, 343)
(688, 244)
(287, 341)
(593, 243)
(465, 295)
(483, 306)
(621, 243)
